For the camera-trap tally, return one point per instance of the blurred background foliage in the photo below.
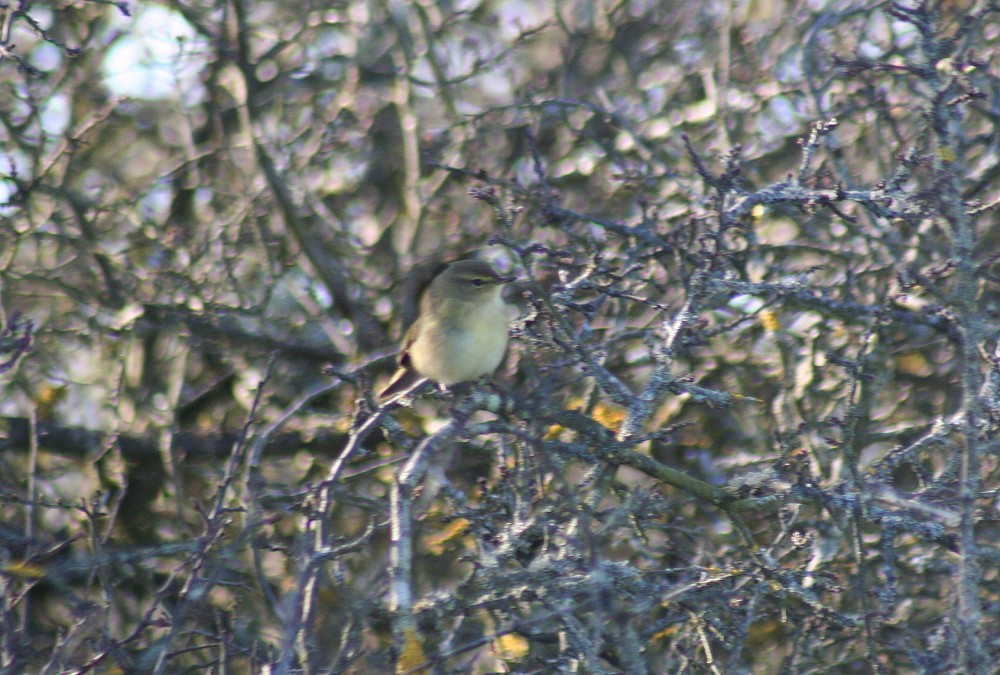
(757, 244)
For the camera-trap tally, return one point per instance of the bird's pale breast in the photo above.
(464, 349)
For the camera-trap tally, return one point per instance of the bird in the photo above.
(460, 333)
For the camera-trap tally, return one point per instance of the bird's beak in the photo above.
(505, 280)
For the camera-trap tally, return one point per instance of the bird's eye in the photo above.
(478, 283)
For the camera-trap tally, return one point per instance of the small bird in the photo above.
(461, 331)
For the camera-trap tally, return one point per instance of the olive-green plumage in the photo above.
(461, 332)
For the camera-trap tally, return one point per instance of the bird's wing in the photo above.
(404, 375)
(403, 358)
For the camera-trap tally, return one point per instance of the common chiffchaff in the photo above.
(461, 332)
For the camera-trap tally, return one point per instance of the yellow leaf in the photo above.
(757, 211)
(453, 530)
(947, 154)
(914, 363)
(25, 570)
(609, 416)
(48, 398)
(667, 632)
(511, 647)
(769, 320)
(412, 655)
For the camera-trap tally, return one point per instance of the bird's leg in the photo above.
(406, 396)
(458, 399)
